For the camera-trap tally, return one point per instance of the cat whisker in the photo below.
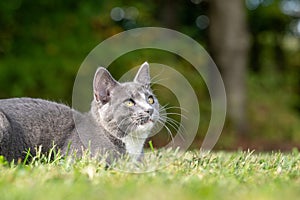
(130, 127)
(174, 124)
(180, 129)
(168, 130)
(173, 121)
(177, 114)
(123, 120)
(172, 107)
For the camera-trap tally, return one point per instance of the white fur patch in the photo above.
(144, 103)
(134, 146)
(134, 142)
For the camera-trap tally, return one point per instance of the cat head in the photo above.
(128, 108)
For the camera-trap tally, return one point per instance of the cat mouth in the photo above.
(146, 120)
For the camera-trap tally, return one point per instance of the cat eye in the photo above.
(129, 103)
(150, 100)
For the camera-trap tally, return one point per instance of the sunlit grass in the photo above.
(218, 175)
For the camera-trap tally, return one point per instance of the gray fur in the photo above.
(113, 125)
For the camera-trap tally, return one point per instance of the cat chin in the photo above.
(145, 127)
(142, 131)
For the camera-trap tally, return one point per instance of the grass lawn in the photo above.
(218, 175)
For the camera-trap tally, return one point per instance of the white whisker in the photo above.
(177, 114)
(168, 121)
(169, 131)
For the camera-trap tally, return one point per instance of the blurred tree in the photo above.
(229, 43)
(169, 13)
(268, 25)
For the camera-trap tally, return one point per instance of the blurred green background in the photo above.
(255, 43)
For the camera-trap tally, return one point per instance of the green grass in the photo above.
(218, 175)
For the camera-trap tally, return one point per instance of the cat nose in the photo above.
(150, 111)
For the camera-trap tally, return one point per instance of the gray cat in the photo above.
(121, 117)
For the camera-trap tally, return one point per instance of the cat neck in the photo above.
(133, 146)
(134, 141)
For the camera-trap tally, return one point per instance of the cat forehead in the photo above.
(131, 89)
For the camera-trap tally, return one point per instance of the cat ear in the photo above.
(143, 75)
(102, 85)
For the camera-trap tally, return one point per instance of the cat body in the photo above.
(121, 117)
